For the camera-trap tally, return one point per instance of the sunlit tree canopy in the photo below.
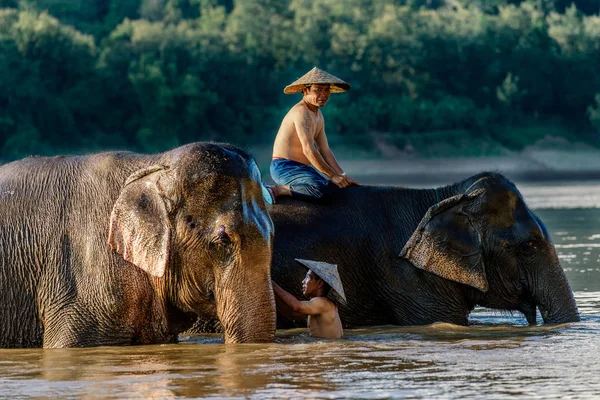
(147, 75)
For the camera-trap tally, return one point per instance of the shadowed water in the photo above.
(497, 357)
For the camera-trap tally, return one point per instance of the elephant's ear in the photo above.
(447, 244)
(139, 226)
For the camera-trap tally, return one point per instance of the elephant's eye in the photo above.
(190, 222)
(220, 247)
(210, 295)
(221, 237)
(529, 246)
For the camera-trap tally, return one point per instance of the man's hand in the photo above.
(340, 180)
(283, 307)
(313, 307)
(343, 181)
(352, 181)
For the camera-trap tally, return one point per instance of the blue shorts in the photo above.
(304, 181)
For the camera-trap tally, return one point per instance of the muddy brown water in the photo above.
(497, 357)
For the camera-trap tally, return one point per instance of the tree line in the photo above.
(148, 75)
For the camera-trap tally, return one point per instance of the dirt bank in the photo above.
(570, 162)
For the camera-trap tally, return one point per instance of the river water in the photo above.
(497, 357)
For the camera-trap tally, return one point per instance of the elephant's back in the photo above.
(354, 205)
(32, 187)
(46, 203)
(41, 180)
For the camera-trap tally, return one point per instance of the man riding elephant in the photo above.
(121, 248)
(303, 165)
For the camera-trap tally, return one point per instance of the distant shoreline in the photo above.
(553, 159)
(442, 179)
(533, 165)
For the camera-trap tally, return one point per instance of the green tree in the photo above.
(45, 65)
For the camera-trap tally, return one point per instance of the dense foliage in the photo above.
(152, 74)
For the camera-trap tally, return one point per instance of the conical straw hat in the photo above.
(329, 273)
(315, 76)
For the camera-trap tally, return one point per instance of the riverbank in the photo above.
(555, 161)
(527, 166)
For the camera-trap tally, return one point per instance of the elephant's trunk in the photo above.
(246, 305)
(554, 298)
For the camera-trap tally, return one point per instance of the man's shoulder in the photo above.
(301, 112)
(323, 301)
(298, 109)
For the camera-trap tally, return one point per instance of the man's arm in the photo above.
(324, 149)
(326, 152)
(304, 129)
(314, 307)
(286, 311)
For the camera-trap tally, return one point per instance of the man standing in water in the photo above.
(323, 318)
(303, 165)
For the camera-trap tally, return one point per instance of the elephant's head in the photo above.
(198, 224)
(488, 238)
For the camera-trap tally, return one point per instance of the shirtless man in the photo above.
(303, 165)
(323, 319)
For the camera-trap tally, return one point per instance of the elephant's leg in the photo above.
(63, 334)
(73, 327)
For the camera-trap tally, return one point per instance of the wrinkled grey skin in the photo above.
(471, 243)
(120, 248)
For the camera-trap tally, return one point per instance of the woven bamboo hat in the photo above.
(317, 76)
(329, 273)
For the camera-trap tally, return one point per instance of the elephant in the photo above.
(411, 256)
(120, 248)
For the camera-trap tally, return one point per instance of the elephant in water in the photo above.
(119, 248)
(419, 256)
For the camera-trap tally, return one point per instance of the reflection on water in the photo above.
(498, 356)
(576, 236)
(435, 361)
